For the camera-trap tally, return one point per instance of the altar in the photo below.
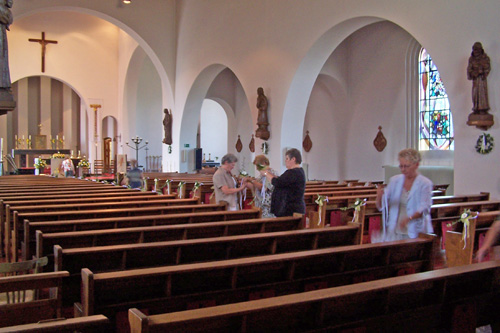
(24, 157)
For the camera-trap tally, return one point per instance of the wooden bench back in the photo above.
(30, 228)
(135, 256)
(176, 288)
(35, 310)
(77, 239)
(90, 324)
(448, 300)
(17, 226)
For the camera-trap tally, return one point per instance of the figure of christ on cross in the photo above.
(44, 43)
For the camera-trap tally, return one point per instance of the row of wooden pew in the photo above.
(174, 262)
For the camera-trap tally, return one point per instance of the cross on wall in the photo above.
(43, 42)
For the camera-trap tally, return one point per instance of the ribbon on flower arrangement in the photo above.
(465, 218)
(167, 184)
(243, 196)
(196, 187)
(320, 201)
(180, 186)
(213, 193)
(144, 186)
(155, 189)
(357, 208)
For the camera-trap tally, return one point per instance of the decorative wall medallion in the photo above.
(485, 144)
(380, 142)
(239, 145)
(252, 145)
(307, 143)
(265, 148)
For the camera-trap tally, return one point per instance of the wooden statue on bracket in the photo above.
(239, 145)
(380, 142)
(477, 71)
(307, 143)
(252, 145)
(167, 127)
(262, 120)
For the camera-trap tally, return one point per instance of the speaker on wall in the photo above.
(198, 158)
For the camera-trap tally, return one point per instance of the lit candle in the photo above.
(29, 137)
(63, 137)
(23, 136)
(15, 137)
(57, 137)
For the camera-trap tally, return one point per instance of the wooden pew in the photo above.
(456, 208)
(82, 204)
(72, 189)
(30, 228)
(67, 198)
(455, 299)
(89, 238)
(342, 199)
(91, 324)
(452, 210)
(176, 288)
(135, 256)
(96, 213)
(32, 311)
(481, 196)
(459, 253)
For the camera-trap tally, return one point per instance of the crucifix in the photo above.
(44, 43)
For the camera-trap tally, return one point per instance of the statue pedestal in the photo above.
(6, 106)
(481, 121)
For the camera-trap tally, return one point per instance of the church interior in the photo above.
(174, 85)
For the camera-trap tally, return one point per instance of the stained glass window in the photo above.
(436, 126)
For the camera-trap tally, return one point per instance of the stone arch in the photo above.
(191, 114)
(304, 78)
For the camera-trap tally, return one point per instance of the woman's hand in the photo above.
(380, 193)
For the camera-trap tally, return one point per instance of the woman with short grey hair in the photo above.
(224, 183)
(406, 202)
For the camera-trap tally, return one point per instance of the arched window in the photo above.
(435, 122)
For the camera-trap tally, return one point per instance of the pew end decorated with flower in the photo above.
(459, 246)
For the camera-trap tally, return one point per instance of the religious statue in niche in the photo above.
(477, 71)
(167, 127)
(380, 142)
(262, 121)
(6, 98)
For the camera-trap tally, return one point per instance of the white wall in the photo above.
(213, 130)
(282, 45)
(93, 73)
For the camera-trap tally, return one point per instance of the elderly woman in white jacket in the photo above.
(406, 202)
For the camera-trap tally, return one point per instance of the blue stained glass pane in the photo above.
(436, 125)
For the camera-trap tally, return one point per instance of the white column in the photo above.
(22, 108)
(84, 130)
(46, 106)
(3, 143)
(69, 119)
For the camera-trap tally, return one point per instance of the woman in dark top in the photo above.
(288, 195)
